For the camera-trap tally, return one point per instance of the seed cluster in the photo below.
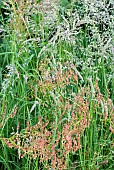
(52, 144)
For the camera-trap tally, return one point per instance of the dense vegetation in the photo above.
(56, 85)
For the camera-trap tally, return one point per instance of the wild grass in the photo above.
(56, 85)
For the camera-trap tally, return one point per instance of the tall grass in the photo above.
(56, 85)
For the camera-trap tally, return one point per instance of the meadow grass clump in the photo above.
(56, 85)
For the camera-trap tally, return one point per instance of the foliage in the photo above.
(56, 92)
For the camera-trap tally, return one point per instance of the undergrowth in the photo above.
(56, 85)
